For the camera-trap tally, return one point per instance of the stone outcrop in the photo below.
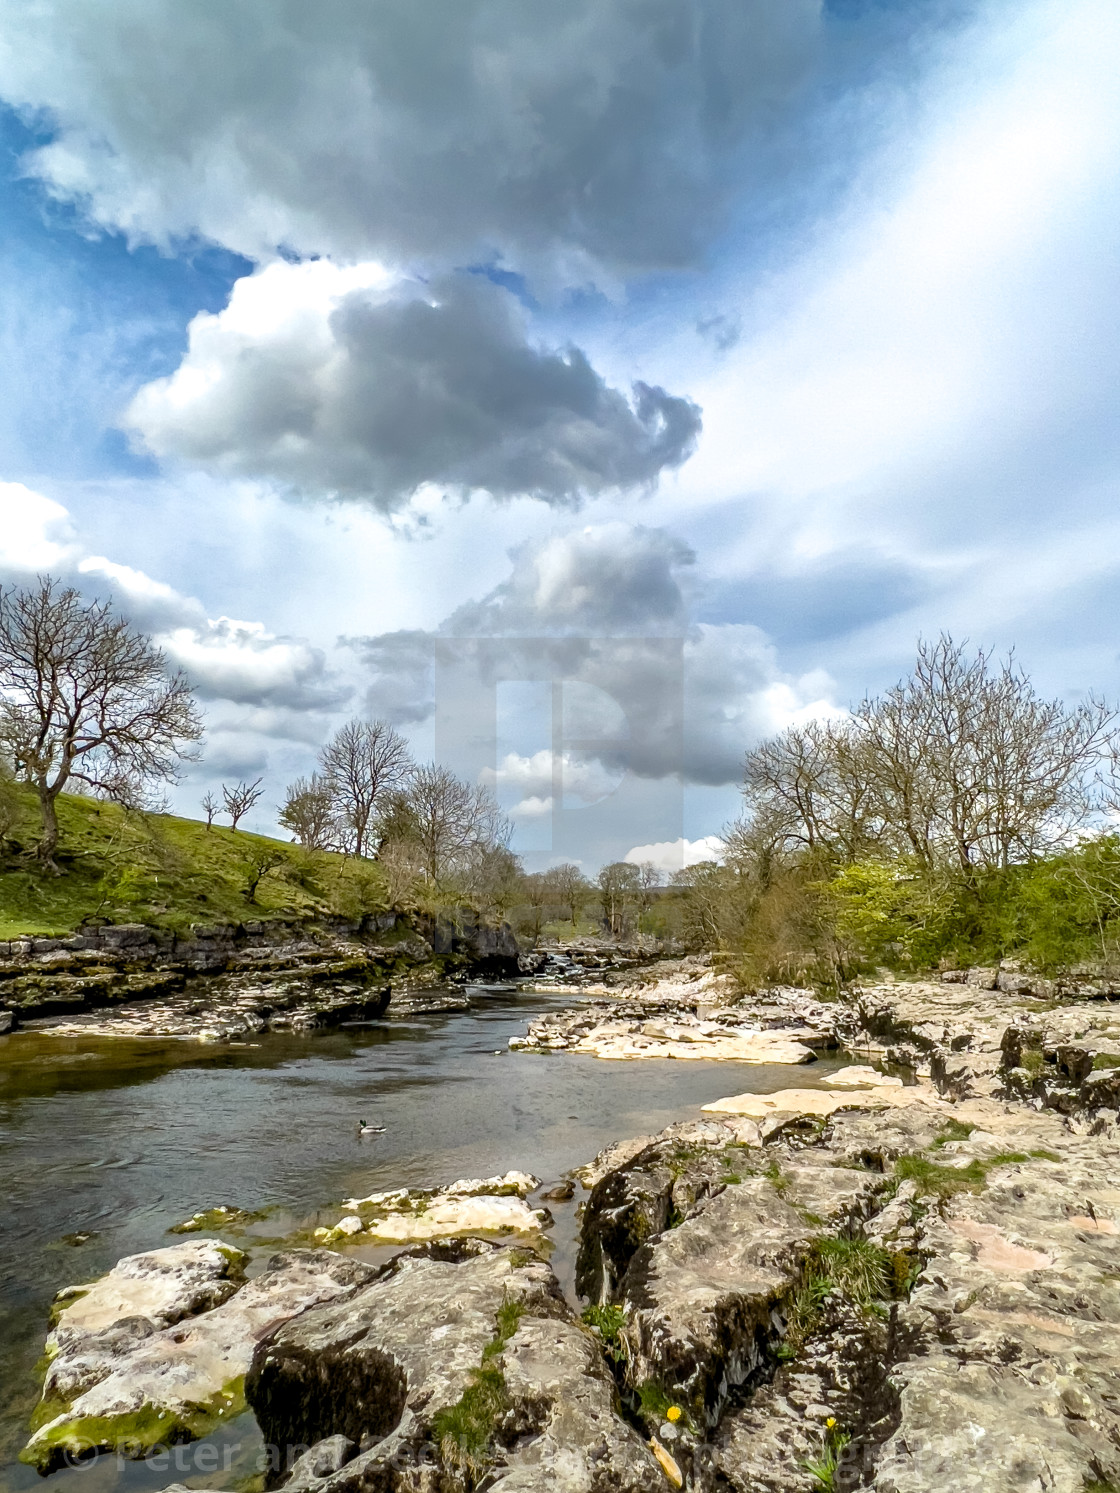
(613, 1031)
(157, 1350)
(235, 980)
(458, 1365)
(908, 1299)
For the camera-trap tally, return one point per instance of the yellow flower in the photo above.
(831, 1422)
(673, 1412)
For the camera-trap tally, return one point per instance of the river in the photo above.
(119, 1139)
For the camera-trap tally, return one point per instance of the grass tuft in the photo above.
(937, 1181)
(464, 1432)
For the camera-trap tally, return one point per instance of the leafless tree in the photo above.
(399, 863)
(210, 807)
(491, 878)
(361, 763)
(447, 819)
(619, 885)
(241, 798)
(961, 764)
(537, 892)
(309, 812)
(570, 888)
(86, 698)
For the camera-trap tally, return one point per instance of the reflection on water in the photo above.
(120, 1139)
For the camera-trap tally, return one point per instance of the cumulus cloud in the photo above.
(674, 855)
(597, 132)
(332, 381)
(225, 660)
(603, 611)
(531, 787)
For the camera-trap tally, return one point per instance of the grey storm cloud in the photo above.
(596, 132)
(605, 610)
(392, 391)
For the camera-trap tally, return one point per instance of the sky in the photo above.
(591, 390)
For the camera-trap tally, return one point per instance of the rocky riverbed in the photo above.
(904, 1285)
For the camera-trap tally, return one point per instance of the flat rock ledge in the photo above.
(913, 1299)
(157, 1350)
(475, 1205)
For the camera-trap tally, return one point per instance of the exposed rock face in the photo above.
(456, 1360)
(157, 1349)
(231, 980)
(984, 1353)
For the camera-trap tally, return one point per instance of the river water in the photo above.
(120, 1139)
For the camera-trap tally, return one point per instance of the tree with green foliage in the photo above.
(86, 699)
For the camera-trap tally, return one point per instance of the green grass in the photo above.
(941, 1182)
(953, 1130)
(608, 1322)
(464, 1432)
(121, 866)
(858, 1271)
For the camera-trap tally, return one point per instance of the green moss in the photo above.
(132, 1435)
(464, 1432)
(221, 1217)
(1043, 1155)
(773, 1175)
(63, 1301)
(1103, 1060)
(1031, 1059)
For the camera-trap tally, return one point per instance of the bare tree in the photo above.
(363, 761)
(960, 764)
(308, 811)
(447, 819)
(210, 807)
(86, 698)
(537, 892)
(570, 888)
(241, 798)
(619, 884)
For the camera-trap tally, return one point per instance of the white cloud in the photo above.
(35, 532)
(574, 137)
(354, 382)
(674, 855)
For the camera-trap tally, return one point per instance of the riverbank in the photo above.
(857, 1283)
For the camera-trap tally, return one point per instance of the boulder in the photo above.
(158, 1350)
(460, 1361)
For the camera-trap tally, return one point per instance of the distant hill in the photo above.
(122, 866)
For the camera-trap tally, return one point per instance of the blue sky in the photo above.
(783, 332)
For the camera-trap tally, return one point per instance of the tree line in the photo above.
(958, 816)
(88, 704)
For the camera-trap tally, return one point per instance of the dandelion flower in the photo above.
(673, 1412)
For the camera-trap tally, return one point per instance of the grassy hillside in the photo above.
(118, 866)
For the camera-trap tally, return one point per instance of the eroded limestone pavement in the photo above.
(899, 1287)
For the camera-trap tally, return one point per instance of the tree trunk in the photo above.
(48, 844)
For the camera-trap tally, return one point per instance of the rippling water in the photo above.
(120, 1139)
